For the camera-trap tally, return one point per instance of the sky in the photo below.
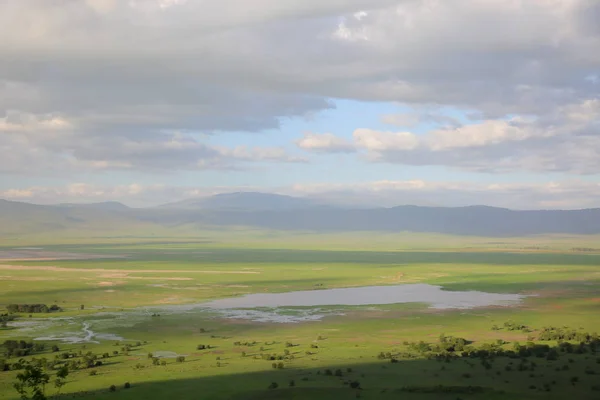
(364, 102)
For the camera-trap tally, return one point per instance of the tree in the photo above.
(81, 307)
(61, 378)
(33, 379)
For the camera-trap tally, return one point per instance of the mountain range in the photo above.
(278, 212)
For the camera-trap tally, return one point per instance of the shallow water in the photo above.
(291, 307)
(435, 296)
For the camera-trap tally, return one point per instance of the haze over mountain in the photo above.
(286, 213)
(245, 201)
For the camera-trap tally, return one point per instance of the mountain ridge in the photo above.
(286, 213)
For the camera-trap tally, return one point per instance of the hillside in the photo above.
(292, 214)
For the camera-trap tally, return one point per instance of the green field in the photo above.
(132, 278)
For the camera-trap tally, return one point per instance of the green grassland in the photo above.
(161, 271)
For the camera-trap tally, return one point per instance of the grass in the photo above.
(179, 271)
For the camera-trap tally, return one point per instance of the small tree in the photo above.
(81, 307)
(127, 385)
(33, 379)
(112, 388)
(61, 378)
(180, 359)
(273, 385)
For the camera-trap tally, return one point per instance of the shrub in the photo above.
(355, 385)
(127, 385)
(180, 359)
(93, 372)
(112, 388)
(292, 383)
(273, 385)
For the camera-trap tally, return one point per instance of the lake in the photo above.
(435, 296)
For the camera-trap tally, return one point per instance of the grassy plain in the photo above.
(158, 271)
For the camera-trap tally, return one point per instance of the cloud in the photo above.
(324, 142)
(38, 145)
(572, 194)
(139, 70)
(412, 119)
(383, 141)
(567, 140)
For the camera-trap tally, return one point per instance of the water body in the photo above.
(435, 296)
(291, 307)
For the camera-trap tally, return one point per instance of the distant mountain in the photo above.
(107, 205)
(285, 213)
(474, 220)
(250, 201)
(17, 218)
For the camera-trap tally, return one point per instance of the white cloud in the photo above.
(97, 83)
(567, 140)
(324, 142)
(383, 141)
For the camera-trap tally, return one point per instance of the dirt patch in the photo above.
(106, 284)
(152, 278)
(42, 255)
(28, 278)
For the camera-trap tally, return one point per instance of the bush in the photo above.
(112, 388)
(292, 383)
(355, 385)
(127, 385)
(180, 359)
(273, 385)
(93, 372)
